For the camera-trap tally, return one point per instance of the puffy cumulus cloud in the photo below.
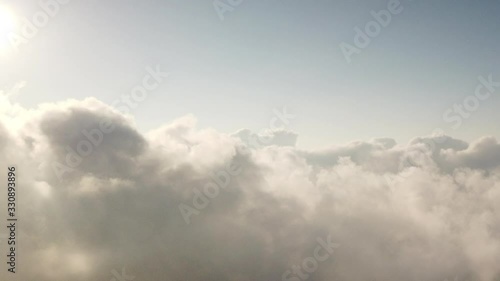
(97, 197)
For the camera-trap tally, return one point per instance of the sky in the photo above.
(232, 73)
(235, 140)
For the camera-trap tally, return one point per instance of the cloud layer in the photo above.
(183, 203)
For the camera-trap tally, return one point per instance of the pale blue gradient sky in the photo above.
(266, 54)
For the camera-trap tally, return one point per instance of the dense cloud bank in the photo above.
(99, 198)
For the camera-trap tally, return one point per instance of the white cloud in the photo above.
(437, 218)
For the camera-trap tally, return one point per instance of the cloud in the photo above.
(427, 210)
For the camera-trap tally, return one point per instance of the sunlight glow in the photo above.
(7, 26)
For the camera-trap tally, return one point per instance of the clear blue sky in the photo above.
(268, 54)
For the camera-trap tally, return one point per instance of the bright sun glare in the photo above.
(7, 25)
